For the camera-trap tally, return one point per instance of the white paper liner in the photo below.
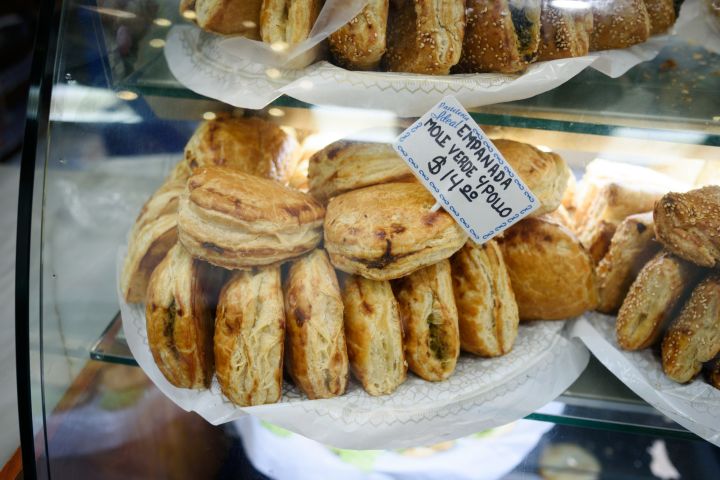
(695, 406)
(481, 394)
(701, 27)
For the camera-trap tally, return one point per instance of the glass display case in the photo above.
(108, 123)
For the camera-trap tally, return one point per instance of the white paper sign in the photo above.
(464, 171)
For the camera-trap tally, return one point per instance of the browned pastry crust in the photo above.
(388, 231)
(618, 24)
(288, 21)
(430, 321)
(315, 353)
(688, 225)
(552, 275)
(632, 246)
(694, 337)
(651, 300)
(249, 337)
(596, 238)
(564, 33)
(229, 17)
(374, 335)
(424, 36)
(250, 145)
(662, 15)
(343, 166)
(163, 202)
(501, 36)
(361, 43)
(180, 311)
(712, 372)
(235, 220)
(545, 173)
(487, 311)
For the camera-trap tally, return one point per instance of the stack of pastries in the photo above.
(244, 278)
(440, 37)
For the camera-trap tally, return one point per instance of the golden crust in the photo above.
(250, 145)
(564, 33)
(424, 36)
(249, 337)
(632, 246)
(229, 17)
(343, 166)
(487, 311)
(388, 231)
(651, 300)
(315, 353)
(662, 15)
(494, 42)
(361, 43)
(288, 21)
(551, 274)
(596, 238)
(694, 337)
(163, 202)
(618, 24)
(374, 335)
(235, 220)
(180, 310)
(712, 372)
(430, 321)
(688, 225)
(545, 173)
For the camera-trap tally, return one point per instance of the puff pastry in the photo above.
(235, 220)
(487, 311)
(551, 274)
(564, 33)
(652, 299)
(250, 145)
(180, 309)
(424, 36)
(343, 166)
(618, 24)
(545, 173)
(430, 321)
(361, 44)
(632, 246)
(315, 353)
(501, 35)
(694, 337)
(249, 337)
(688, 225)
(288, 21)
(388, 231)
(374, 335)
(229, 17)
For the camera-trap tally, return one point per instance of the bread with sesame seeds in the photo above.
(564, 33)
(688, 224)
(500, 36)
(694, 337)
(288, 22)
(424, 36)
(663, 14)
(361, 43)
(618, 24)
(228, 17)
(712, 372)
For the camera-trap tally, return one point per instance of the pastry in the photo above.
(315, 353)
(249, 336)
(288, 22)
(487, 312)
(361, 43)
(235, 220)
(688, 225)
(430, 321)
(545, 173)
(229, 17)
(712, 372)
(388, 231)
(250, 145)
(343, 166)
(551, 274)
(180, 311)
(163, 202)
(632, 246)
(501, 36)
(618, 24)
(374, 335)
(651, 300)
(694, 337)
(564, 33)
(662, 14)
(424, 36)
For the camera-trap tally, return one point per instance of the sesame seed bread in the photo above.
(618, 24)
(361, 43)
(564, 33)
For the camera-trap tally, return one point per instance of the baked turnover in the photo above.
(618, 24)
(564, 33)
(288, 22)
(229, 17)
(361, 43)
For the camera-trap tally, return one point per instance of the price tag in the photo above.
(464, 171)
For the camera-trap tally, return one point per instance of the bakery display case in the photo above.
(140, 173)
